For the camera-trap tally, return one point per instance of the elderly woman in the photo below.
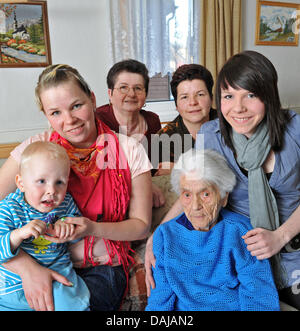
(191, 87)
(202, 262)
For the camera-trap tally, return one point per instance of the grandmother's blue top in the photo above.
(209, 270)
(284, 181)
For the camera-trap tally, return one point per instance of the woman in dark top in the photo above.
(191, 87)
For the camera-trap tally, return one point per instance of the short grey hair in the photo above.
(207, 165)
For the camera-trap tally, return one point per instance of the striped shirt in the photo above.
(14, 214)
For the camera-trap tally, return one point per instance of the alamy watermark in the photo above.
(162, 146)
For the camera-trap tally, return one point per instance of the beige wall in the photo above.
(78, 36)
(286, 59)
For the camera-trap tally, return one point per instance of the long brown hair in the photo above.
(253, 72)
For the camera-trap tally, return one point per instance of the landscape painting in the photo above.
(24, 35)
(276, 23)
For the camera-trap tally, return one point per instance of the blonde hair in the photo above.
(51, 150)
(57, 74)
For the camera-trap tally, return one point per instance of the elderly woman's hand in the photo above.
(263, 243)
(149, 262)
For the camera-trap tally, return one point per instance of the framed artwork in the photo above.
(24, 34)
(277, 23)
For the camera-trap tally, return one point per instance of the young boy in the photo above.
(38, 207)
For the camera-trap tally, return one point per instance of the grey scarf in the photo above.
(251, 155)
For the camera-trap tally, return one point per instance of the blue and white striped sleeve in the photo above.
(6, 226)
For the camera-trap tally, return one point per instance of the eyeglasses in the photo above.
(125, 89)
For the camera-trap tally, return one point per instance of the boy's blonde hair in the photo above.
(57, 74)
(51, 150)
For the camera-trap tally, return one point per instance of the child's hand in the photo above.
(63, 230)
(34, 228)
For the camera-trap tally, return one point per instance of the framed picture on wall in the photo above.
(277, 23)
(24, 34)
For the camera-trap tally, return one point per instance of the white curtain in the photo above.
(140, 29)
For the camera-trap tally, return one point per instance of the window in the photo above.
(182, 36)
(163, 34)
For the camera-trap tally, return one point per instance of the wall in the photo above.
(286, 59)
(79, 37)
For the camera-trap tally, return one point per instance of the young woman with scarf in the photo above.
(110, 181)
(261, 143)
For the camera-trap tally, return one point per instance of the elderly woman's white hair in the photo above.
(206, 165)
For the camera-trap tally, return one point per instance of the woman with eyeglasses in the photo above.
(128, 83)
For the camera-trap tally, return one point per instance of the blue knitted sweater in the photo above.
(209, 270)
